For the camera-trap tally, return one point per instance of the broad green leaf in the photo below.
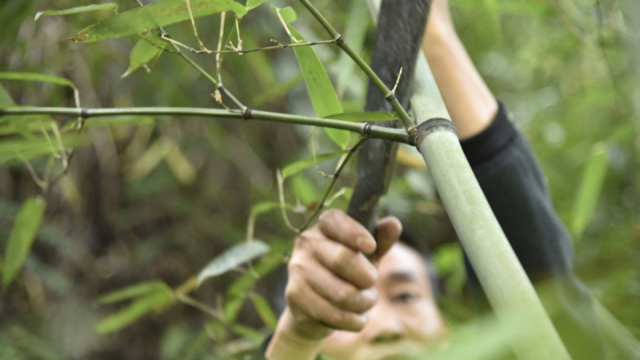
(23, 76)
(21, 237)
(323, 96)
(252, 4)
(288, 15)
(304, 189)
(152, 16)
(264, 310)
(147, 50)
(77, 10)
(233, 257)
(155, 301)
(264, 207)
(298, 166)
(134, 291)
(589, 189)
(370, 116)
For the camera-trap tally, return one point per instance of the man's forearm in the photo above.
(469, 101)
(286, 344)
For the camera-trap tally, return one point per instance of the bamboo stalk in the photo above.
(374, 131)
(501, 275)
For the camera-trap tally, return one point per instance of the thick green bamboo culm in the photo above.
(501, 275)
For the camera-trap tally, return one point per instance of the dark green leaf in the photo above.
(21, 237)
(155, 301)
(77, 10)
(147, 50)
(264, 310)
(589, 190)
(134, 291)
(233, 257)
(152, 16)
(298, 166)
(370, 116)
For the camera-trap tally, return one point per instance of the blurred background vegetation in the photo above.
(151, 200)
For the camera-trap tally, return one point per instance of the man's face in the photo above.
(404, 321)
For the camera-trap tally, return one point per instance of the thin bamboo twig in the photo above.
(375, 131)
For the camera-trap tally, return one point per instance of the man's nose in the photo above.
(384, 324)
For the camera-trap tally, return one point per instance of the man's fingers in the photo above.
(340, 227)
(340, 293)
(345, 263)
(306, 305)
(387, 232)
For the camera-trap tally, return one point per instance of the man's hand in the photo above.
(330, 279)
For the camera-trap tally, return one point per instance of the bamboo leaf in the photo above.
(21, 237)
(157, 300)
(298, 166)
(17, 149)
(355, 35)
(5, 98)
(119, 120)
(152, 16)
(247, 333)
(134, 291)
(589, 189)
(180, 166)
(23, 76)
(264, 207)
(231, 258)
(370, 116)
(77, 10)
(323, 96)
(252, 4)
(147, 50)
(264, 310)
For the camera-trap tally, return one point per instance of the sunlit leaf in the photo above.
(232, 258)
(77, 10)
(21, 237)
(369, 116)
(134, 291)
(298, 166)
(23, 76)
(157, 300)
(589, 189)
(152, 16)
(146, 51)
(251, 4)
(264, 310)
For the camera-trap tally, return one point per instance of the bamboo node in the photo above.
(339, 39)
(418, 133)
(367, 131)
(246, 113)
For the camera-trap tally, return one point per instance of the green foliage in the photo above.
(152, 16)
(21, 238)
(298, 166)
(232, 258)
(77, 10)
(147, 50)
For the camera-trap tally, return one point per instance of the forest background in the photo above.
(150, 201)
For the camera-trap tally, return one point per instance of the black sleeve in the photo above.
(515, 188)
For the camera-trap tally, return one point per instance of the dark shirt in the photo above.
(515, 188)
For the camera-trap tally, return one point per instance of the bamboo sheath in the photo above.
(507, 286)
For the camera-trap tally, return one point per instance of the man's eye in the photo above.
(406, 297)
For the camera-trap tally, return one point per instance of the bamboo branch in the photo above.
(374, 131)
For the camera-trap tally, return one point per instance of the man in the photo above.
(347, 307)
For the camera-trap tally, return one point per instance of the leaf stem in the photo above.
(386, 92)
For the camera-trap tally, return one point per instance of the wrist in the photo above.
(288, 342)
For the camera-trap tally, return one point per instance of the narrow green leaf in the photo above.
(355, 34)
(77, 10)
(134, 291)
(323, 96)
(23, 76)
(304, 190)
(589, 189)
(247, 333)
(17, 149)
(152, 16)
(264, 310)
(5, 98)
(147, 50)
(119, 120)
(298, 166)
(233, 257)
(21, 237)
(370, 116)
(264, 207)
(252, 4)
(154, 301)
